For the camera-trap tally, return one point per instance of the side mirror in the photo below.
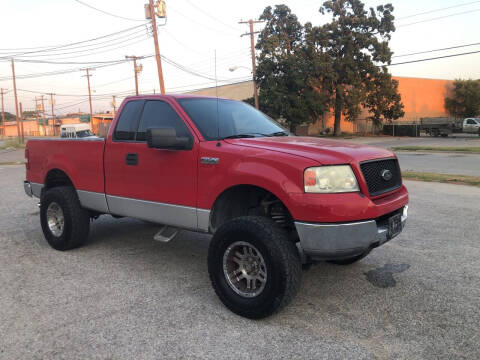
(166, 138)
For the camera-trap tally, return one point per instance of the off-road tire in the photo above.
(281, 258)
(350, 260)
(76, 219)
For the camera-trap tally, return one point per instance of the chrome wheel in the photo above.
(245, 269)
(55, 219)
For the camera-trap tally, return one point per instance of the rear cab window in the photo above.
(128, 120)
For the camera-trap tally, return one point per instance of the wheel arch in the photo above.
(248, 199)
(56, 177)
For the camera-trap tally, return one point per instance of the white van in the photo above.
(75, 131)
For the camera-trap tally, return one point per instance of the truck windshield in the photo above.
(220, 119)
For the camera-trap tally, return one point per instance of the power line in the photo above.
(96, 43)
(108, 13)
(211, 17)
(435, 50)
(436, 10)
(438, 18)
(191, 19)
(74, 43)
(92, 47)
(434, 58)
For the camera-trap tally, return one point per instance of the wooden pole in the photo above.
(3, 115)
(22, 137)
(16, 98)
(157, 48)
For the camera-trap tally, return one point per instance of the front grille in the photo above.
(372, 172)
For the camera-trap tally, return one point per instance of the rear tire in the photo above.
(253, 247)
(65, 223)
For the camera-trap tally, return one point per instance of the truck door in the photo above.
(151, 184)
(470, 126)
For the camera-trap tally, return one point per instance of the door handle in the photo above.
(131, 159)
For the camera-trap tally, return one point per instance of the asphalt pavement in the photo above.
(442, 163)
(125, 296)
(426, 161)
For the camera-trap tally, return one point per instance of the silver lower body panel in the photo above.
(184, 217)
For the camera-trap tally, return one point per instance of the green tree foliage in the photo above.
(305, 70)
(8, 117)
(466, 99)
(29, 113)
(287, 88)
(356, 41)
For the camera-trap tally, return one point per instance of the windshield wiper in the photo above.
(279, 133)
(239, 136)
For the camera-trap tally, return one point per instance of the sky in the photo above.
(194, 32)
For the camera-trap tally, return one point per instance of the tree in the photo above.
(466, 98)
(383, 100)
(8, 117)
(287, 88)
(356, 42)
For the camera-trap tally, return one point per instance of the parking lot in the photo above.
(125, 295)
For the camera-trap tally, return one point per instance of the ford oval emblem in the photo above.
(386, 174)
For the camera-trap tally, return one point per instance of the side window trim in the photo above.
(114, 137)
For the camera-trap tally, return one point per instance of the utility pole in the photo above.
(36, 115)
(22, 138)
(114, 104)
(161, 14)
(252, 46)
(52, 102)
(136, 69)
(16, 99)
(89, 94)
(3, 114)
(42, 99)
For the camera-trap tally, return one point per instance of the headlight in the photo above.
(330, 179)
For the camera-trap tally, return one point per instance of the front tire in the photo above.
(254, 268)
(65, 223)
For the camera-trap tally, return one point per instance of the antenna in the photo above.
(216, 94)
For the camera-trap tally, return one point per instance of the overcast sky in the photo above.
(193, 31)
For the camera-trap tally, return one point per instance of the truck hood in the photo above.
(325, 151)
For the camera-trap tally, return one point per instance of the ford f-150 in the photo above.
(272, 201)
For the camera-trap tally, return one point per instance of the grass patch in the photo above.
(463, 149)
(6, 163)
(12, 143)
(443, 178)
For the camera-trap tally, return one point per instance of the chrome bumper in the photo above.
(337, 241)
(33, 189)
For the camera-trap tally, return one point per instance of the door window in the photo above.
(471, 122)
(159, 114)
(127, 122)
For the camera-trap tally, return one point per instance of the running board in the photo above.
(166, 234)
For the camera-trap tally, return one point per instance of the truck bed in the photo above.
(81, 159)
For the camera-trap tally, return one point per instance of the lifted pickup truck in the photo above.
(272, 201)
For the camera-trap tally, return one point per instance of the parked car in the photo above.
(272, 201)
(75, 131)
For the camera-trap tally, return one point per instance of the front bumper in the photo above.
(343, 240)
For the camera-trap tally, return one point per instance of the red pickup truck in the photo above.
(272, 201)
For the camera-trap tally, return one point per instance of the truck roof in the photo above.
(175, 96)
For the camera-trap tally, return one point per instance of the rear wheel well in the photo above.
(55, 178)
(249, 200)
